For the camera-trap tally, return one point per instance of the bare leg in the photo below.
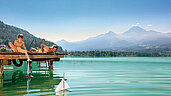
(44, 48)
(19, 50)
(37, 48)
(24, 51)
(32, 49)
(12, 47)
(28, 58)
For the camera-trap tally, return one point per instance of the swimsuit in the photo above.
(39, 51)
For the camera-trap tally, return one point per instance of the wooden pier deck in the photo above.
(7, 57)
(33, 56)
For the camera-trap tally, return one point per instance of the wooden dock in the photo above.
(7, 57)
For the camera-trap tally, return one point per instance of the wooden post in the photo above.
(1, 68)
(50, 63)
(1, 73)
(1, 81)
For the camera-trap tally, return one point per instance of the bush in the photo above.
(3, 49)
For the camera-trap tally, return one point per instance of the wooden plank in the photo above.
(31, 56)
(1, 70)
(57, 59)
(17, 53)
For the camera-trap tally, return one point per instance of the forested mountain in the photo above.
(9, 33)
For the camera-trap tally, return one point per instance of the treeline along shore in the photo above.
(117, 54)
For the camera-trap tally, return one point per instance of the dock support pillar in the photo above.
(50, 63)
(2, 63)
(1, 68)
(1, 74)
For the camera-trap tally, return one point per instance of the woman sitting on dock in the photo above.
(45, 49)
(17, 47)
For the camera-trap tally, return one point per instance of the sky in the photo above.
(75, 20)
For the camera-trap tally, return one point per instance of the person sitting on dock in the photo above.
(17, 47)
(45, 49)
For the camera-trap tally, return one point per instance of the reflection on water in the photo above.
(1, 81)
(62, 93)
(118, 76)
(14, 84)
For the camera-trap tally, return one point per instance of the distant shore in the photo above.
(117, 54)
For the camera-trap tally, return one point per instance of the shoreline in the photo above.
(115, 56)
(118, 54)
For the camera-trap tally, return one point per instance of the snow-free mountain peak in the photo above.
(110, 33)
(135, 29)
(63, 41)
(138, 30)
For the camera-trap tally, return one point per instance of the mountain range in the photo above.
(135, 38)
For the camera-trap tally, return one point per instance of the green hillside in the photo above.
(9, 33)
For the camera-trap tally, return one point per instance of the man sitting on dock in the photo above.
(45, 49)
(17, 47)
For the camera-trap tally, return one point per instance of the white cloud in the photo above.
(149, 25)
(136, 24)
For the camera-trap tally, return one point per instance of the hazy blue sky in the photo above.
(74, 20)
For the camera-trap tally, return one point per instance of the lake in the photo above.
(93, 76)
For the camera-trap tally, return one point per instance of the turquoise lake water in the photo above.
(90, 76)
